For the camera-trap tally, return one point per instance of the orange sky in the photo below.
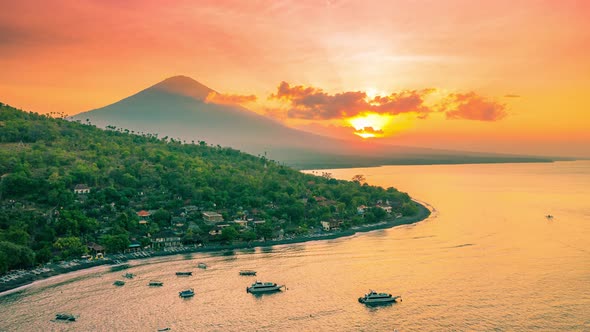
(504, 76)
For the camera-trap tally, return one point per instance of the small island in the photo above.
(74, 196)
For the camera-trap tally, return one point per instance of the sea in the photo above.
(487, 259)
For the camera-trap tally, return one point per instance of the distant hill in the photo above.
(177, 107)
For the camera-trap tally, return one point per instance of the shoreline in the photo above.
(14, 286)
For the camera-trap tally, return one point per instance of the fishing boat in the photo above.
(378, 298)
(186, 293)
(188, 273)
(202, 266)
(129, 275)
(549, 216)
(155, 283)
(65, 317)
(263, 287)
(247, 273)
(119, 283)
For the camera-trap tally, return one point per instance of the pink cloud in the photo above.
(471, 106)
(315, 104)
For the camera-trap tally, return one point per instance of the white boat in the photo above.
(263, 287)
(378, 298)
(202, 266)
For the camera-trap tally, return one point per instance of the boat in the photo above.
(119, 283)
(202, 266)
(155, 283)
(65, 317)
(187, 293)
(129, 275)
(263, 287)
(378, 298)
(188, 273)
(247, 273)
(549, 216)
(164, 329)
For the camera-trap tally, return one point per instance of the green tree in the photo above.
(70, 246)
(228, 234)
(115, 243)
(13, 256)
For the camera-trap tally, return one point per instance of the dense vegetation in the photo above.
(42, 159)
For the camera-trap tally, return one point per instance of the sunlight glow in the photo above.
(369, 125)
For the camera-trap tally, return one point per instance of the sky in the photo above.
(494, 76)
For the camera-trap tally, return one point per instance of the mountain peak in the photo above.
(185, 86)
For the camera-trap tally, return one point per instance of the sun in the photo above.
(370, 125)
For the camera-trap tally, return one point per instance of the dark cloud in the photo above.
(219, 98)
(471, 106)
(370, 130)
(313, 103)
(403, 102)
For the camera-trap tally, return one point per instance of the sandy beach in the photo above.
(20, 280)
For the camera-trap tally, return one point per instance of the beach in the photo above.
(21, 279)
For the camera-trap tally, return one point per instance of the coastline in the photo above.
(14, 286)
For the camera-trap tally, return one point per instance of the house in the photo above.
(332, 225)
(143, 214)
(166, 239)
(134, 246)
(191, 208)
(258, 222)
(215, 231)
(387, 208)
(361, 209)
(211, 217)
(240, 222)
(143, 222)
(81, 189)
(95, 249)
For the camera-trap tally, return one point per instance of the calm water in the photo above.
(487, 260)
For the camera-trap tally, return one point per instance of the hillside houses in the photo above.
(81, 189)
(166, 239)
(212, 217)
(331, 225)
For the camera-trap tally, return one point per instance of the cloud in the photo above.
(219, 98)
(511, 96)
(312, 103)
(403, 102)
(315, 104)
(471, 106)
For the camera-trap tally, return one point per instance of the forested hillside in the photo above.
(43, 159)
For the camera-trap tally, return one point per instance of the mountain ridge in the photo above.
(178, 107)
